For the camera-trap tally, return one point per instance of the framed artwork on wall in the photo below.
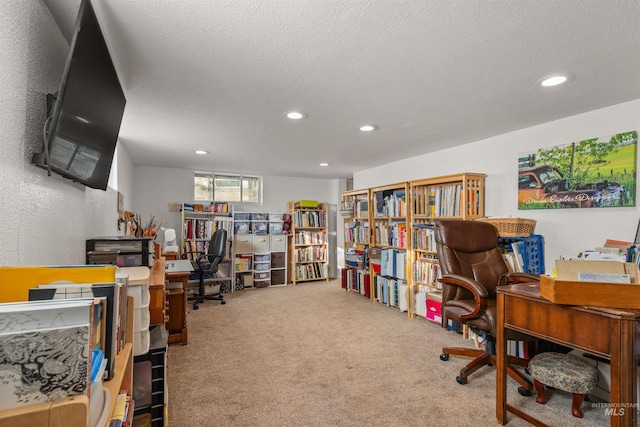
(593, 173)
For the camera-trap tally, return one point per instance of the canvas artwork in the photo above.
(43, 365)
(593, 173)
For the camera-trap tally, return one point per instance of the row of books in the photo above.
(392, 263)
(310, 237)
(356, 232)
(357, 208)
(391, 205)
(423, 237)
(123, 411)
(314, 270)
(311, 253)
(357, 280)
(391, 291)
(446, 200)
(309, 219)
(426, 270)
(391, 235)
(217, 207)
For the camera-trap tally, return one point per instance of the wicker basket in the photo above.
(512, 227)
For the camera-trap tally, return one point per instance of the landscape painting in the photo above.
(593, 173)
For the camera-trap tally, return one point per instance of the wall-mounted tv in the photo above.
(82, 130)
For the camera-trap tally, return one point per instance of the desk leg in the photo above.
(624, 376)
(185, 285)
(501, 364)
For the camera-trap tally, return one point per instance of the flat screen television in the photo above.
(82, 131)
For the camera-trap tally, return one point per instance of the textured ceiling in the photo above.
(219, 75)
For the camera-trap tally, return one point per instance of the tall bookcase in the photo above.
(309, 248)
(450, 196)
(355, 211)
(391, 239)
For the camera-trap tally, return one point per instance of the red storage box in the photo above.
(434, 311)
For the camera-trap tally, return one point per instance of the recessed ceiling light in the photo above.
(368, 128)
(324, 164)
(296, 115)
(201, 152)
(554, 80)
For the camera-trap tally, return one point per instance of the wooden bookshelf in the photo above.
(374, 218)
(454, 196)
(309, 255)
(355, 213)
(391, 236)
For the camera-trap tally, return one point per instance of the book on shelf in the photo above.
(45, 350)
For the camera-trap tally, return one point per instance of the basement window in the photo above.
(227, 187)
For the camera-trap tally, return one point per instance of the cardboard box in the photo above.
(567, 289)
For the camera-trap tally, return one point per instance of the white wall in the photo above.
(45, 219)
(155, 188)
(566, 231)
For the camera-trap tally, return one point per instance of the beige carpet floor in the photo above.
(314, 355)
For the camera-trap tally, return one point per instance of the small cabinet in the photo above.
(260, 260)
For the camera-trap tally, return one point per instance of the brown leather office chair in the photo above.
(472, 267)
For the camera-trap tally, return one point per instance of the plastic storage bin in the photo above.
(140, 342)
(140, 293)
(276, 217)
(261, 257)
(276, 227)
(261, 275)
(259, 216)
(259, 227)
(262, 266)
(262, 283)
(241, 227)
(241, 216)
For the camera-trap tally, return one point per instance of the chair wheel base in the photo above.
(444, 357)
(461, 380)
(524, 392)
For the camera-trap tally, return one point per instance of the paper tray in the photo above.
(595, 294)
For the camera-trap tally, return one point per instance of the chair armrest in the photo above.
(518, 277)
(202, 258)
(479, 292)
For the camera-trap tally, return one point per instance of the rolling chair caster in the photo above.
(524, 392)
(444, 357)
(460, 380)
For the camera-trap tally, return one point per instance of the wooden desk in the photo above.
(608, 333)
(158, 303)
(177, 301)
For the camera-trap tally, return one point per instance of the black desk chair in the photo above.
(207, 265)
